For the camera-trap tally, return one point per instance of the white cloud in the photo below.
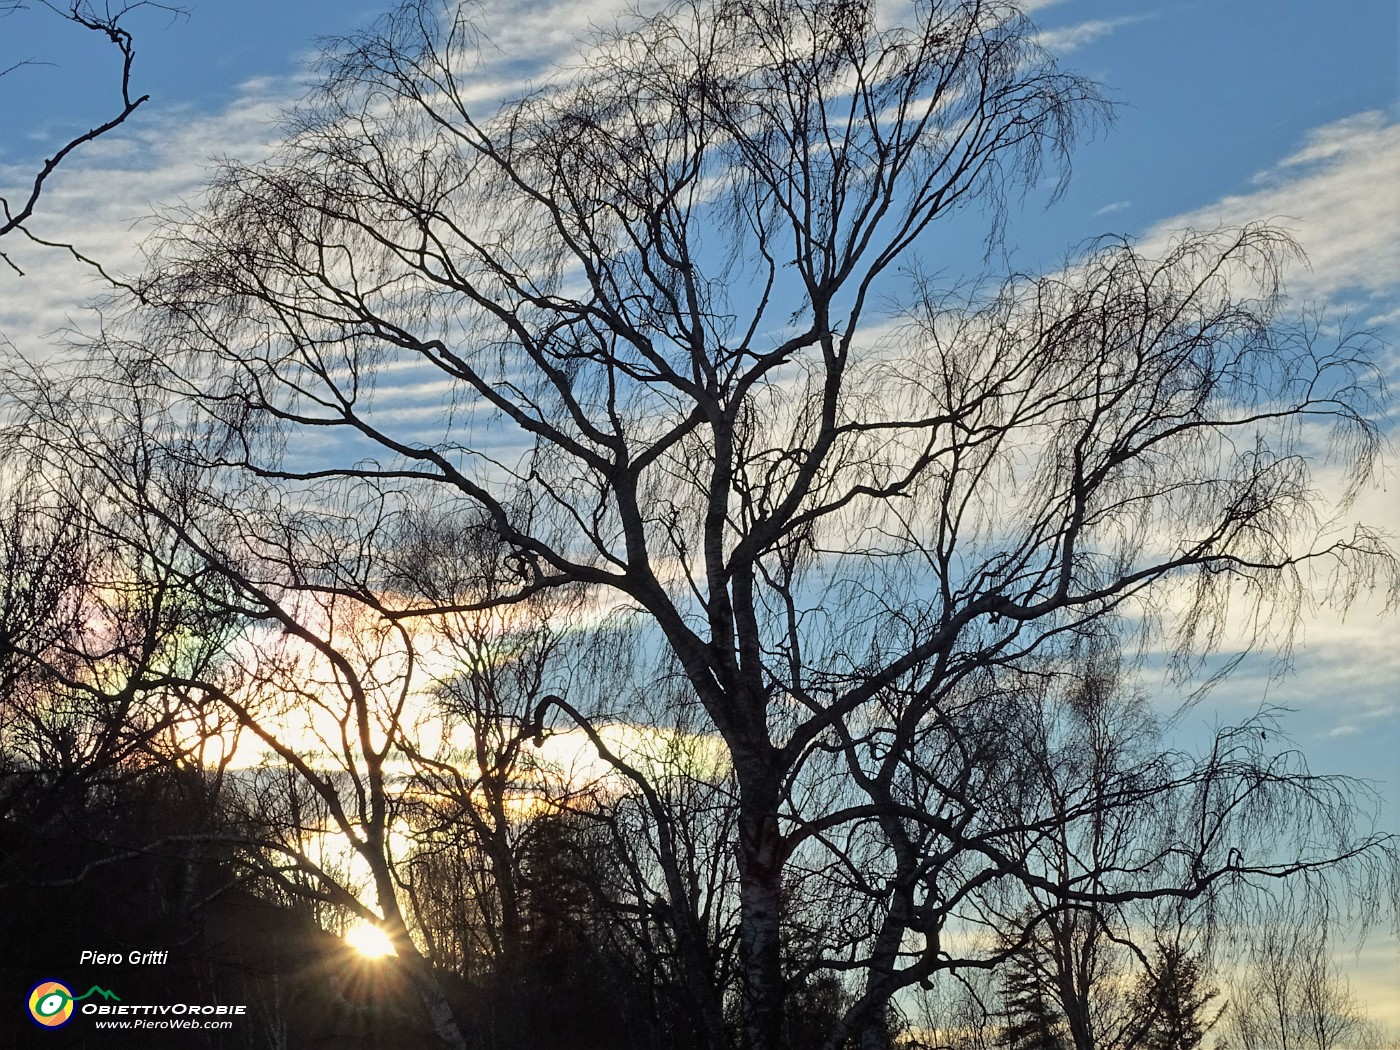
(1339, 195)
(103, 198)
(103, 202)
(1070, 38)
(1115, 206)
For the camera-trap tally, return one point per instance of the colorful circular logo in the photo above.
(51, 1004)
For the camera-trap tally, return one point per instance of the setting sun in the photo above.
(369, 940)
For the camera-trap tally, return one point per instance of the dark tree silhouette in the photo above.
(1174, 1000)
(1031, 1018)
(1289, 994)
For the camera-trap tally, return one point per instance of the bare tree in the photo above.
(498, 673)
(398, 708)
(1083, 739)
(956, 1011)
(1289, 994)
(1100, 796)
(85, 625)
(1102, 800)
(305, 678)
(645, 295)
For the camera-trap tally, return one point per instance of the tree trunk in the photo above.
(760, 910)
(440, 1017)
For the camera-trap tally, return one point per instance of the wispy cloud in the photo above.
(104, 199)
(1070, 38)
(1111, 209)
(1365, 719)
(104, 202)
(1339, 195)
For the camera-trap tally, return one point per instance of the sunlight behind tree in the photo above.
(370, 941)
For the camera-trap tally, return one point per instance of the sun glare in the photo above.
(369, 940)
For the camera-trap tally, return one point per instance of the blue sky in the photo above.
(1210, 91)
(1226, 109)
(1211, 96)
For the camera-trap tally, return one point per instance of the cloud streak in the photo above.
(1070, 38)
(1339, 195)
